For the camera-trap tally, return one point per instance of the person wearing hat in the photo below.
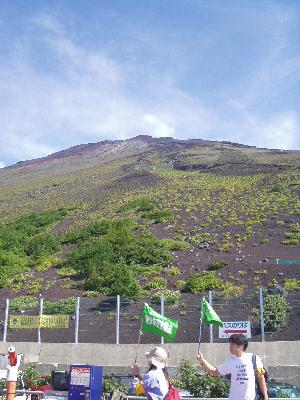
(156, 379)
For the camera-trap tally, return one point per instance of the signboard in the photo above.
(36, 321)
(229, 328)
(283, 261)
(24, 321)
(80, 376)
(54, 321)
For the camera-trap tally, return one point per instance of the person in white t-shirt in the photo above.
(240, 366)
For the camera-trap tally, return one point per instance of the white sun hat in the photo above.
(158, 357)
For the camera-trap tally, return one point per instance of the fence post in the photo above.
(77, 319)
(262, 322)
(162, 311)
(6, 320)
(41, 313)
(118, 320)
(211, 339)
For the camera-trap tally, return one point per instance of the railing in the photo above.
(30, 392)
(21, 391)
(117, 320)
(199, 398)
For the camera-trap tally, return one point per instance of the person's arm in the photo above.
(263, 386)
(213, 371)
(135, 371)
(260, 373)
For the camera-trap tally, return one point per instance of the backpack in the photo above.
(173, 393)
(258, 391)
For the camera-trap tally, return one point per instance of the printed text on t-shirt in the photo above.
(241, 375)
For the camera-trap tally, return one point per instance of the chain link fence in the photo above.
(117, 320)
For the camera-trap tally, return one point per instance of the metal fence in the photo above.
(117, 320)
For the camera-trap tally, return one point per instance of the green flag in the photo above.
(208, 314)
(155, 323)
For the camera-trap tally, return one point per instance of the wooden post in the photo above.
(10, 390)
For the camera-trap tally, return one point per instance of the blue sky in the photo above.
(79, 71)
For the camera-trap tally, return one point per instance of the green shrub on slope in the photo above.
(202, 282)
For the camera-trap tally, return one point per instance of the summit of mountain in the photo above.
(109, 150)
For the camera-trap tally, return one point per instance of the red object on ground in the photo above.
(43, 387)
(12, 356)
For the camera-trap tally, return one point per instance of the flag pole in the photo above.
(138, 343)
(169, 349)
(200, 333)
(200, 328)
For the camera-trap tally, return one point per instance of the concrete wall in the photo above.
(282, 358)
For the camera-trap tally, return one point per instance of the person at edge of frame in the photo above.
(241, 369)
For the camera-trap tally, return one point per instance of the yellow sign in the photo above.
(36, 321)
(24, 321)
(54, 321)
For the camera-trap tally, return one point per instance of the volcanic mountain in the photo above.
(176, 216)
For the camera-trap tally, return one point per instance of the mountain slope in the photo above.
(232, 210)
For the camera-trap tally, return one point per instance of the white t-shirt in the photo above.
(242, 376)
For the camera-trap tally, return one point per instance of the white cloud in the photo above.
(2, 165)
(84, 95)
(281, 132)
(90, 99)
(157, 127)
(48, 22)
(277, 132)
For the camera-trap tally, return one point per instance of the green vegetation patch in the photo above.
(294, 236)
(64, 306)
(276, 308)
(147, 208)
(24, 303)
(31, 378)
(217, 265)
(110, 384)
(200, 282)
(201, 385)
(230, 290)
(26, 243)
(171, 297)
(110, 258)
(174, 271)
(42, 245)
(156, 283)
(292, 284)
(175, 245)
